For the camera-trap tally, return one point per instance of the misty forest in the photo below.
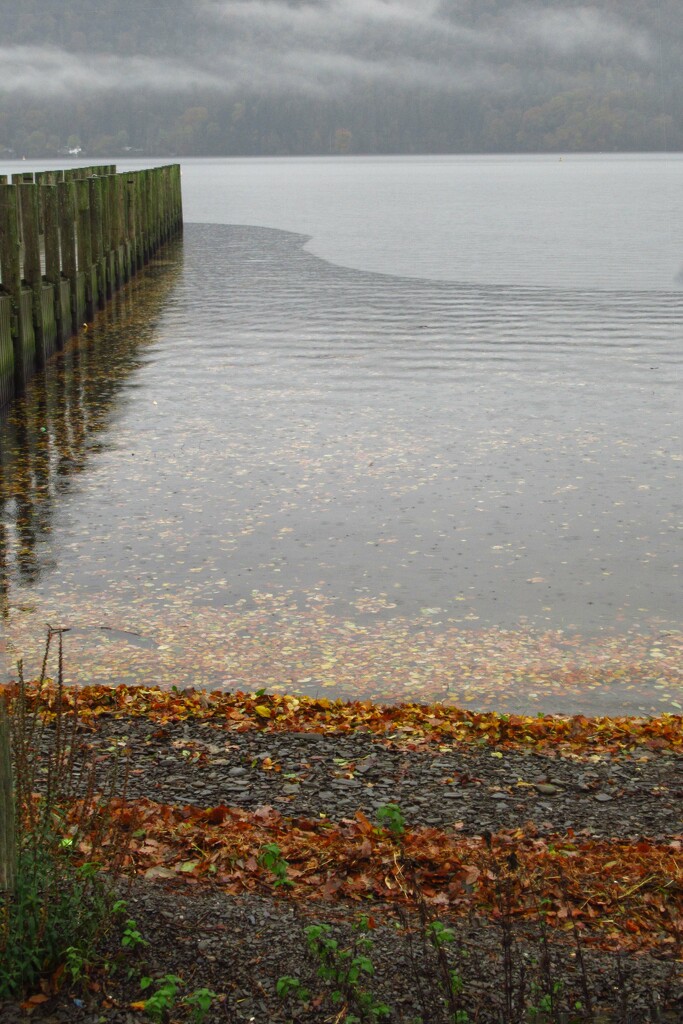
(280, 77)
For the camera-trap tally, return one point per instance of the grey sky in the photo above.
(330, 46)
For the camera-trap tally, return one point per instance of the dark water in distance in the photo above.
(323, 478)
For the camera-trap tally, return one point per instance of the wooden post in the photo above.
(8, 842)
(6, 395)
(119, 227)
(48, 195)
(155, 193)
(178, 219)
(96, 236)
(115, 230)
(165, 203)
(30, 224)
(10, 245)
(106, 183)
(10, 261)
(149, 197)
(66, 196)
(132, 222)
(53, 274)
(144, 215)
(84, 242)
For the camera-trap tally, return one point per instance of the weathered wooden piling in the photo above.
(68, 240)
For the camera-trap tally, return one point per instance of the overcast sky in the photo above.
(325, 47)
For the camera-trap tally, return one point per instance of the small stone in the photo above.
(290, 788)
(603, 797)
(499, 796)
(158, 871)
(546, 788)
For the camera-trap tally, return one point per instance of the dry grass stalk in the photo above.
(8, 843)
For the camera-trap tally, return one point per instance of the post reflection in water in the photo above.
(49, 435)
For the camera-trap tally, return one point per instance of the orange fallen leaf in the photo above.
(33, 1001)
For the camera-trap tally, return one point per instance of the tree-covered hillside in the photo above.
(214, 77)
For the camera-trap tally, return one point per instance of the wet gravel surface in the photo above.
(239, 946)
(309, 774)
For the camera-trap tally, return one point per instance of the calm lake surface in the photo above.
(400, 428)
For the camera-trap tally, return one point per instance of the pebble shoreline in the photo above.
(194, 762)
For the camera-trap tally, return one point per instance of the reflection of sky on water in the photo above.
(286, 473)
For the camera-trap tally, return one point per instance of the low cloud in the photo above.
(580, 30)
(328, 47)
(47, 71)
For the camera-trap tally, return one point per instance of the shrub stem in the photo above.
(8, 846)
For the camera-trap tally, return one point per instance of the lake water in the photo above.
(400, 428)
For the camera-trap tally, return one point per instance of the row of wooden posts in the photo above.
(68, 240)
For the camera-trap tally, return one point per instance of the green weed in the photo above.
(344, 970)
(164, 999)
(391, 818)
(199, 1003)
(272, 860)
(55, 905)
